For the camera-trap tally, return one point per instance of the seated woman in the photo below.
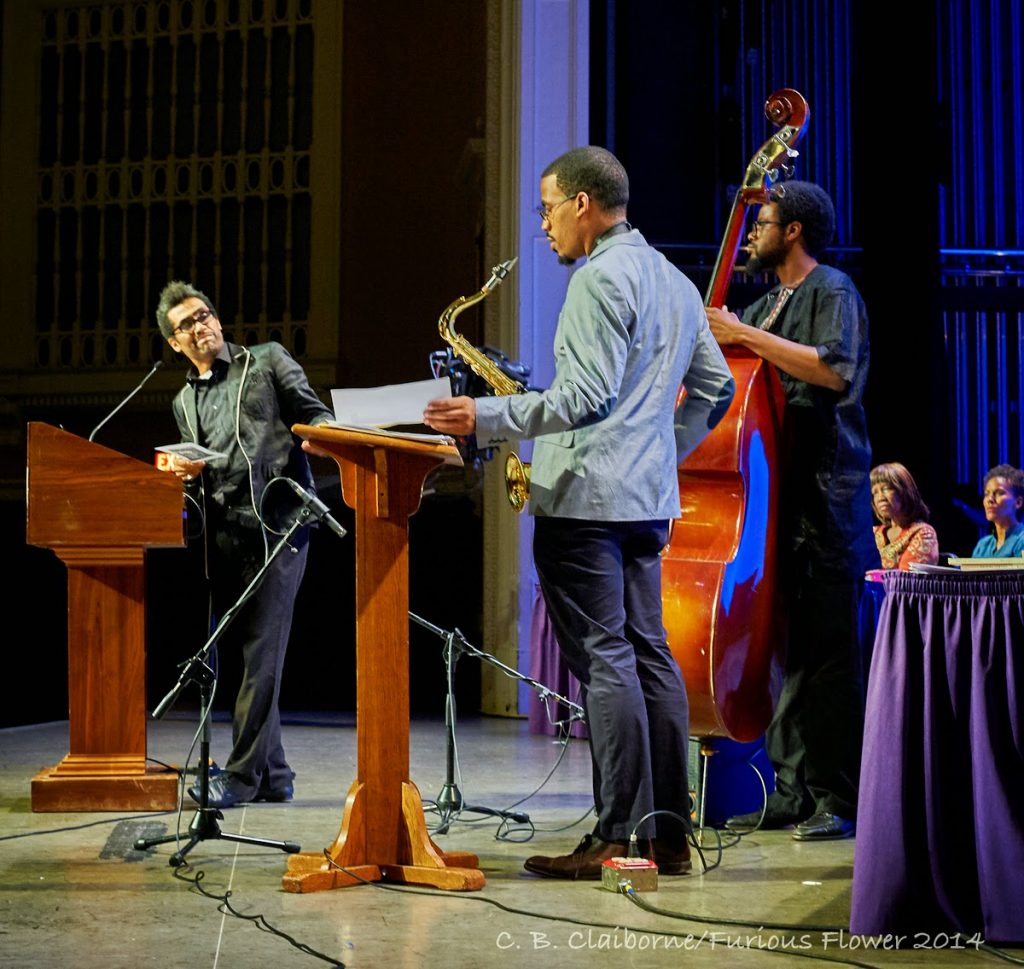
(904, 535)
(1003, 502)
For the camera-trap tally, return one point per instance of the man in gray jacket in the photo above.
(242, 402)
(603, 489)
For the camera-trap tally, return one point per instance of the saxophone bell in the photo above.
(517, 481)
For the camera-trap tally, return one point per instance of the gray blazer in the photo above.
(609, 439)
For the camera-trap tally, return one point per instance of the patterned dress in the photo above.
(916, 543)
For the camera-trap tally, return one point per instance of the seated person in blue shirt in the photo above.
(1003, 502)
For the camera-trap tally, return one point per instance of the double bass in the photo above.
(719, 569)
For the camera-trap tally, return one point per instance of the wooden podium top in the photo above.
(86, 495)
(325, 435)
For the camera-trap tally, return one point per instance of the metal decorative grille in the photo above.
(983, 331)
(174, 143)
(809, 45)
(981, 218)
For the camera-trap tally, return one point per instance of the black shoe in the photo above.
(824, 827)
(584, 863)
(283, 792)
(774, 817)
(225, 791)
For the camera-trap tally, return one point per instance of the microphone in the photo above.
(156, 367)
(320, 511)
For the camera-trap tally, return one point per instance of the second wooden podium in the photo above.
(99, 511)
(383, 834)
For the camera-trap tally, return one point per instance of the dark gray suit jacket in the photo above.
(268, 392)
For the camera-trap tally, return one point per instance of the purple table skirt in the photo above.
(940, 823)
(548, 668)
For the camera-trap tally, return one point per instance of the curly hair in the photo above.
(593, 170)
(897, 477)
(808, 204)
(1013, 477)
(171, 295)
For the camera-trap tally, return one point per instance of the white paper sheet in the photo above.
(191, 452)
(387, 405)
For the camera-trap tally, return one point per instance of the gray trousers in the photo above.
(602, 586)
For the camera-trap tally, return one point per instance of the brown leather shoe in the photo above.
(670, 859)
(584, 863)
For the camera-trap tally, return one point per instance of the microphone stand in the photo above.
(141, 384)
(204, 826)
(450, 803)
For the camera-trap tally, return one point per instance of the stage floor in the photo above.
(74, 892)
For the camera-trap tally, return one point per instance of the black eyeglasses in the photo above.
(758, 225)
(190, 322)
(545, 213)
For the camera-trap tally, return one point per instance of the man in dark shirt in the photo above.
(242, 402)
(813, 327)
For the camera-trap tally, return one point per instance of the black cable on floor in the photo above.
(79, 827)
(259, 921)
(740, 923)
(168, 767)
(688, 835)
(634, 897)
(504, 831)
(617, 926)
(751, 944)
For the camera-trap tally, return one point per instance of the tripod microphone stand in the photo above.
(449, 803)
(204, 826)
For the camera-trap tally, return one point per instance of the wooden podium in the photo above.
(98, 510)
(383, 834)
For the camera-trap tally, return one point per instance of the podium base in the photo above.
(155, 790)
(410, 859)
(309, 872)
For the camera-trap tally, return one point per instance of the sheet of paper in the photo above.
(387, 405)
(191, 452)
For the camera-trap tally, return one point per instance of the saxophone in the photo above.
(517, 473)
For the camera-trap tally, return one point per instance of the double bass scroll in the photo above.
(787, 109)
(719, 569)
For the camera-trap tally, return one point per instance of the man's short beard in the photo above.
(566, 261)
(764, 262)
(754, 265)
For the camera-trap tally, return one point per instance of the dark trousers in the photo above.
(814, 739)
(602, 586)
(259, 635)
